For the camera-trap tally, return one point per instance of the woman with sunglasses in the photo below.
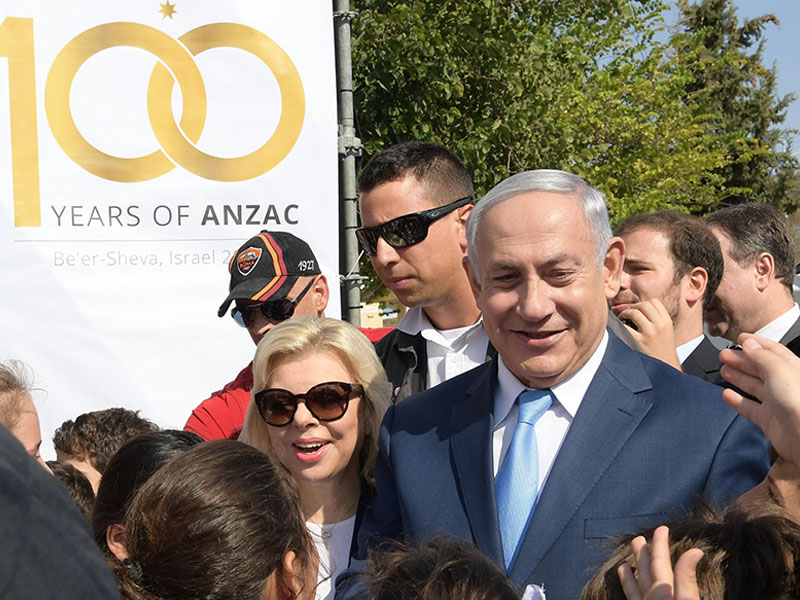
(319, 394)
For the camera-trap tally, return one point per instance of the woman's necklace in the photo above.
(326, 531)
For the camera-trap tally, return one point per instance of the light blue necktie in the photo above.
(518, 477)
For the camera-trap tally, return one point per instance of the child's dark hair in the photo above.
(215, 522)
(96, 436)
(443, 569)
(77, 485)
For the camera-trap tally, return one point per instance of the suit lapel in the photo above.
(704, 360)
(794, 331)
(609, 413)
(471, 447)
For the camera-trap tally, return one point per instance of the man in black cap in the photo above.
(274, 277)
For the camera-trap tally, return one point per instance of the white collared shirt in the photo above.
(450, 352)
(684, 350)
(552, 427)
(776, 329)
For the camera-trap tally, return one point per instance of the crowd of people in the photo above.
(547, 420)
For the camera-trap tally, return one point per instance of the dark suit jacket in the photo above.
(704, 363)
(646, 441)
(792, 338)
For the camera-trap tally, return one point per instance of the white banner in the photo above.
(140, 144)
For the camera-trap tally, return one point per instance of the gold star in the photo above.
(167, 10)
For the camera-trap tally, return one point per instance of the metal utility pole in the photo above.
(349, 149)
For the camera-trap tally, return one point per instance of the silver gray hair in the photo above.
(592, 201)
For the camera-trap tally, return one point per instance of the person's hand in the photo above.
(770, 372)
(653, 331)
(654, 579)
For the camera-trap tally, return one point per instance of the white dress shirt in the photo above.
(552, 427)
(684, 350)
(450, 352)
(776, 329)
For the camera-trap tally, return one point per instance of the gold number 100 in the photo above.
(16, 43)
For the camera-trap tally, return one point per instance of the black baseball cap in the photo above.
(266, 267)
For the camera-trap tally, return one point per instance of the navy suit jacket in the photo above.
(646, 442)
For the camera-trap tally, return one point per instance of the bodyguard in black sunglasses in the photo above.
(274, 277)
(415, 199)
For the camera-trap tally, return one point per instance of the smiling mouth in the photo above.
(309, 448)
(538, 336)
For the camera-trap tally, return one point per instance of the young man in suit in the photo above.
(415, 200)
(568, 436)
(673, 265)
(755, 294)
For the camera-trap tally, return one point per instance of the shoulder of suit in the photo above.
(629, 367)
(448, 392)
(395, 338)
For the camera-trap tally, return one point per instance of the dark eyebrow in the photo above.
(637, 262)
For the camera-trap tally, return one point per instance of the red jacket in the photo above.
(222, 415)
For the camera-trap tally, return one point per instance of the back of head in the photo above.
(445, 178)
(748, 553)
(46, 549)
(15, 388)
(754, 228)
(97, 435)
(443, 569)
(132, 465)
(691, 244)
(591, 200)
(216, 522)
(76, 484)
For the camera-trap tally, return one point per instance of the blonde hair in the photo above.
(319, 335)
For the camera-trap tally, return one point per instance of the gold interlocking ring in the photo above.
(177, 140)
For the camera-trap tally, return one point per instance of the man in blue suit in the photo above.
(568, 436)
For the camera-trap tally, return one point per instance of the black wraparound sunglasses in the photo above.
(277, 310)
(406, 230)
(325, 401)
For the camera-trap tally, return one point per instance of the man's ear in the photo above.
(612, 266)
(321, 294)
(474, 282)
(115, 540)
(694, 285)
(463, 214)
(764, 266)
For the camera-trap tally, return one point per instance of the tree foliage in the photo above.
(588, 87)
(740, 94)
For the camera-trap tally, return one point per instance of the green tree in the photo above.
(740, 93)
(567, 84)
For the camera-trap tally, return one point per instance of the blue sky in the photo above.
(781, 49)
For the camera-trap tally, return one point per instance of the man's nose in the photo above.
(534, 303)
(385, 254)
(260, 325)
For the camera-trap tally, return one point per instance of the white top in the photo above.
(776, 329)
(684, 350)
(451, 351)
(333, 547)
(552, 427)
